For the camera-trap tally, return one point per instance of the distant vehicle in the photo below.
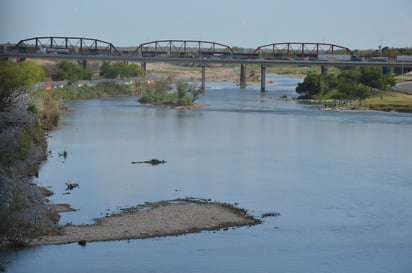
(404, 58)
(378, 59)
(355, 58)
(338, 57)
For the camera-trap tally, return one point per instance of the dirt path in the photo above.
(153, 220)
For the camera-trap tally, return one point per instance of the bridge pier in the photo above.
(387, 71)
(83, 64)
(262, 78)
(242, 82)
(203, 86)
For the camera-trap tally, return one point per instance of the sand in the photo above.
(163, 218)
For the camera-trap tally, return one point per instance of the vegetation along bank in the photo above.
(366, 88)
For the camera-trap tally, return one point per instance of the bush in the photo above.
(184, 95)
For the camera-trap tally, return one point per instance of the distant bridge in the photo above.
(195, 51)
(66, 45)
(183, 48)
(174, 48)
(300, 49)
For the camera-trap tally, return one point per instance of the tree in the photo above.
(17, 77)
(187, 93)
(72, 72)
(360, 91)
(312, 85)
(111, 71)
(374, 77)
(350, 75)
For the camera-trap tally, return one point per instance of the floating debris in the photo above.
(270, 214)
(151, 162)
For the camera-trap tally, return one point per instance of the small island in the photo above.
(163, 92)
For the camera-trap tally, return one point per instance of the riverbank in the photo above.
(165, 218)
(24, 209)
(381, 101)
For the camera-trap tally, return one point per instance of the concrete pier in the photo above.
(203, 85)
(242, 81)
(83, 64)
(262, 78)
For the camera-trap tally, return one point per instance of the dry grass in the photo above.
(389, 101)
(51, 113)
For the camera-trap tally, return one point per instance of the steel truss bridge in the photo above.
(183, 48)
(65, 45)
(174, 50)
(193, 51)
(303, 50)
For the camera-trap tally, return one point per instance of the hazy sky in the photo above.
(357, 24)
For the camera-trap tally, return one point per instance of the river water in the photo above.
(342, 183)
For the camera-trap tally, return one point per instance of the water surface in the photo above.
(341, 182)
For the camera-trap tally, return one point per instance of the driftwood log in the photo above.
(151, 162)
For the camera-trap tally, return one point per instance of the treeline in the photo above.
(112, 71)
(353, 83)
(72, 72)
(15, 77)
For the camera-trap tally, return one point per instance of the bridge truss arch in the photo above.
(183, 48)
(66, 45)
(299, 50)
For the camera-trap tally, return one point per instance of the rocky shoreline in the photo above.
(24, 209)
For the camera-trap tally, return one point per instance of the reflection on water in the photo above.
(341, 182)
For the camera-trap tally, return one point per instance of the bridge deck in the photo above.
(261, 61)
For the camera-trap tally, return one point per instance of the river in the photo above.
(341, 181)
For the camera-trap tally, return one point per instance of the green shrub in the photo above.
(355, 83)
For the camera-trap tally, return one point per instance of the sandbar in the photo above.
(164, 218)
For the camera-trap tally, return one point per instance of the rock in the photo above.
(71, 186)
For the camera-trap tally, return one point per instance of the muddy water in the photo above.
(342, 183)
